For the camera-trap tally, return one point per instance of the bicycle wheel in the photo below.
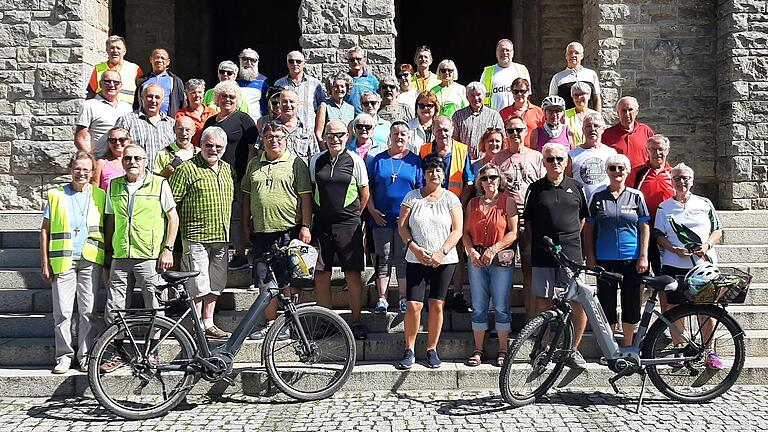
(695, 380)
(321, 370)
(535, 359)
(139, 368)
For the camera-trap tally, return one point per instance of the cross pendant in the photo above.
(394, 177)
(77, 231)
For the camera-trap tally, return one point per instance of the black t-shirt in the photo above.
(555, 212)
(241, 134)
(336, 199)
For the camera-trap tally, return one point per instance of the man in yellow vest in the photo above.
(141, 225)
(129, 72)
(72, 252)
(498, 78)
(459, 180)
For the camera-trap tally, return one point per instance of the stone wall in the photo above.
(150, 24)
(330, 27)
(47, 50)
(560, 24)
(742, 119)
(662, 53)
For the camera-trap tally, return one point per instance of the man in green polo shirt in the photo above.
(277, 205)
(203, 188)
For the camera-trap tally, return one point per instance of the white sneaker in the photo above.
(62, 365)
(381, 306)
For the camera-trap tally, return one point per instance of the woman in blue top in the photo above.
(616, 237)
(392, 174)
(335, 107)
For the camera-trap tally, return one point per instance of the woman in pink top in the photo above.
(553, 130)
(111, 166)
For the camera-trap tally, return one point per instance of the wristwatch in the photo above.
(170, 248)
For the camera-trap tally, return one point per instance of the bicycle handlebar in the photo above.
(563, 260)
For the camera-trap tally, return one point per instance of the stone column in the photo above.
(47, 51)
(742, 120)
(330, 27)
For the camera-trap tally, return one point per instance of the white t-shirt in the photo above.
(697, 215)
(430, 223)
(589, 168)
(166, 197)
(501, 84)
(408, 98)
(99, 116)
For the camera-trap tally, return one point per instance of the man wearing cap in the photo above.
(308, 89)
(98, 115)
(498, 78)
(129, 72)
(469, 123)
(173, 87)
(253, 84)
(390, 108)
(629, 136)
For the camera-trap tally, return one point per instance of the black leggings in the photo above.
(419, 276)
(630, 291)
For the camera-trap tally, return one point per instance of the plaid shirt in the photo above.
(204, 199)
(153, 137)
(301, 141)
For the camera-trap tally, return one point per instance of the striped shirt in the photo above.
(153, 137)
(311, 95)
(301, 141)
(469, 126)
(204, 199)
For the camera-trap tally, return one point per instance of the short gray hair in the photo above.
(389, 79)
(356, 49)
(228, 86)
(247, 51)
(228, 64)
(659, 137)
(114, 38)
(475, 86)
(194, 83)
(682, 168)
(340, 76)
(554, 148)
(135, 146)
(596, 118)
(448, 62)
(618, 159)
(574, 43)
(364, 119)
(628, 99)
(370, 94)
(582, 87)
(215, 133)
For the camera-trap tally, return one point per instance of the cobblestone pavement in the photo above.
(742, 409)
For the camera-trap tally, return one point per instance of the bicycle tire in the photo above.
(139, 389)
(519, 362)
(333, 354)
(693, 382)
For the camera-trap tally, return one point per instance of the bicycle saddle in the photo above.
(660, 283)
(173, 277)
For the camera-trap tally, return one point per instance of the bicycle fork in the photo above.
(304, 349)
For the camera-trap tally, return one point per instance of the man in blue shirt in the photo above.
(362, 79)
(174, 97)
(253, 84)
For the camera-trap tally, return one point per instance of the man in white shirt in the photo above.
(498, 78)
(98, 115)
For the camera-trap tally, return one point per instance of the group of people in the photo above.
(429, 177)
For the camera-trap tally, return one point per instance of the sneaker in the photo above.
(576, 361)
(260, 333)
(62, 365)
(238, 263)
(409, 358)
(113, 364)
(83, 366)
(433, 361)
(214, 332)
(459, 304)
(360, 331)
(403, 306)
(381, 306)
(713, 361)
(284, 334)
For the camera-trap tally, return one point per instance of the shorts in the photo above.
(261, 243)
(389, 251)
(419, 278)
(344, 241)
(211, 260)
(545, 279)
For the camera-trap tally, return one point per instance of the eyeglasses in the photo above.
(552, 159)
(295, 61)
(228, 96)
(446, 71)
(682, 178)
(369, 103)
(82, 170)
(515, 131)
(364, 127)
(213, 146)
(619, 168)
(274, 102)
(389, 86)
(249, 59)
(489, 178)
(112, 82)
(425, 106)
(520, 92)
(133, 158)
(226, 72)
(120, 140)
(338, 135)
(658, 150)
(274, 137)
(355, 59)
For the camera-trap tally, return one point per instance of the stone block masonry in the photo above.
(47, 50)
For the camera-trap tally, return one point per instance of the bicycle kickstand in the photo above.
(642, 392)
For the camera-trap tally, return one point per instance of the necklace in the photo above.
(268, 182)
(84, 210)
(392, 168)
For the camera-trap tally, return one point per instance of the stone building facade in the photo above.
(698, 68)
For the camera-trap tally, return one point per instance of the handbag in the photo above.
(503, 258)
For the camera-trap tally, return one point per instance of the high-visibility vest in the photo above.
(128, 73)
(456, 170)
(140, 229)
(488, 83)
(60, 242)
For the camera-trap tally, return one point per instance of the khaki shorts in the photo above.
(211, 260)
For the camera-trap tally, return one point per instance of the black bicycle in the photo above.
(144, 364)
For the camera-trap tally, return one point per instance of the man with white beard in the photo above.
(254, 85)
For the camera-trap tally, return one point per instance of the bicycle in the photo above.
(536, 357)
(144, 364)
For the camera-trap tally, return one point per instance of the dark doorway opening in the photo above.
(465, 34)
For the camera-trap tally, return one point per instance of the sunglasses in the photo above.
(389, 86)
(120, 140)
(355, 59)
(295, 61)
(249, 59)
(682, 178)
(226, 72)
(338, 135)
(405, 75)
(363, 127)
(489, 178)
(228, 96)
(369, 103)
(133, 158)
(520, 92)
(552, 159)
(513, 131)
(425, 106)
(446, 71)
(619, 168)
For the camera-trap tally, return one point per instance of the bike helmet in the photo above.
(553, 101)
(701, 274)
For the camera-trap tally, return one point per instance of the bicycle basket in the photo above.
(302, 259)
(730, 286)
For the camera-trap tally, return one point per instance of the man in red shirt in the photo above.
(654, 180)
(628, 137)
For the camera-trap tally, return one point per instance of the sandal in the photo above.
(500, 358)
(476, 359)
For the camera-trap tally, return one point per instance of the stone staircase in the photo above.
(26, 324)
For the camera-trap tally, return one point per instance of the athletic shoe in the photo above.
(409, 358)
(284, 334)
(360, 331)
(459, 304)
(576, 361)
(433, 361)
(381, 306)
(713, 361)
(62, 365)
(403, 306)
(238, 263)
(259, 333)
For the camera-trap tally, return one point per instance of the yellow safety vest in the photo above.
(488, 83)
(128, 72)
(456, 170)
(60, 246)
(139, 229)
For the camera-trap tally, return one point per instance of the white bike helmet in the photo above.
(701, 274)
(553, 101)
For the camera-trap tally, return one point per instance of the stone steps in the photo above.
(20, 258)
(745, 236)
(742, 254)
